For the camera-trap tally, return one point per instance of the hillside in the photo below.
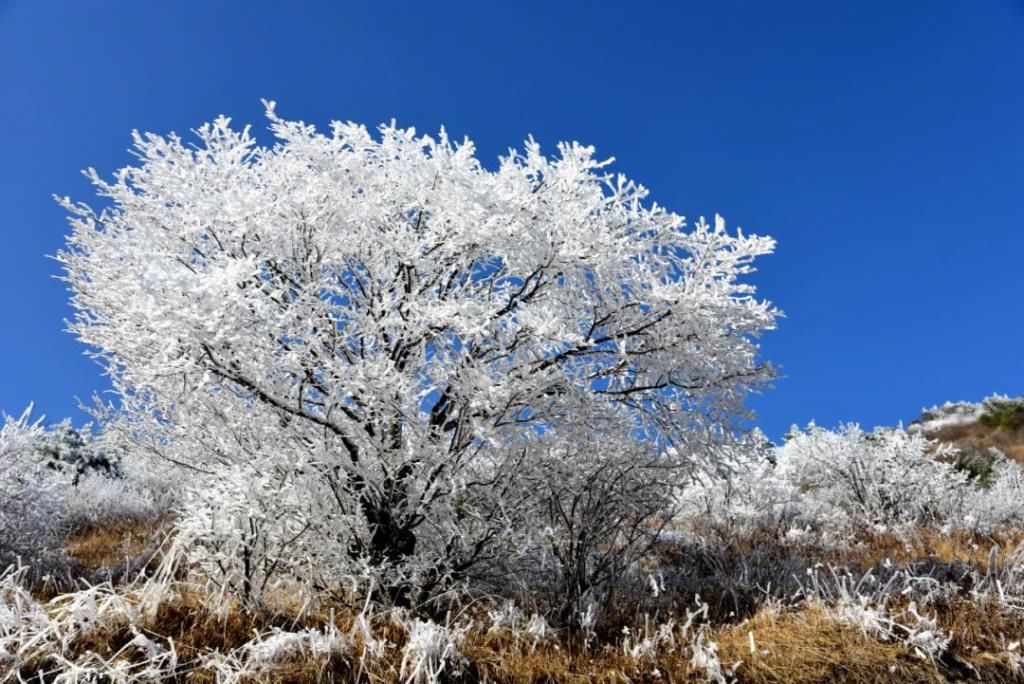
(839, 556)
(996, 422)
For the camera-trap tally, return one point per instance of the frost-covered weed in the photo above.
(1003, 578)
(280, 645)
(920, 633)
(866, 602)
(649, 640)
(22, 619)
(706, 660)
(432, 650)
(508, 618)
(43, 637)
(693, 635)
(259, 657)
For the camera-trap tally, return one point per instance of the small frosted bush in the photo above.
(830, 482)
(51, 486)
(882, 479)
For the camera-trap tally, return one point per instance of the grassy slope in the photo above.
(774, 644)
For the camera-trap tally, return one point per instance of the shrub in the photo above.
(50, 486)
(1003, 413)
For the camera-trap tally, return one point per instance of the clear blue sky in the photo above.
(881, 143)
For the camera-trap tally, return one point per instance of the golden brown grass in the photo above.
(775, 646)
(801, 645)
(1009, 441)
(870, 548)
(112, 544)
(809, 646)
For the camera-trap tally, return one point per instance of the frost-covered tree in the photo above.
(382, 323)
(67, 449)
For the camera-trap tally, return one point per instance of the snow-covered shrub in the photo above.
(879, 479)
(18, 437)
(946, 415)
(978, 463)
(30, 499)
(820, 484)
(75, 451)
(744, 496)
(995, 411)
(98, 500)
(245, 532)
(112, 482)
(51, 485)
(998, 502)
(1004, 413)
(596, 507)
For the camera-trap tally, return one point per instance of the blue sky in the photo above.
(881, 143)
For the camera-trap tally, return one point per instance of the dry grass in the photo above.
(809, 646)
(1008, 440)
(800, 645)
(790, 647)
(927, 544)
(775, 646)
(981, 632)
(112, 545)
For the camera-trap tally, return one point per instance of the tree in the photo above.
(66, 449)
(397, 328)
